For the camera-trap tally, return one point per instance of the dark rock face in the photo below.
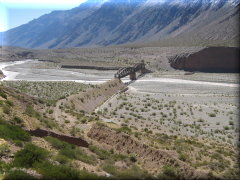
(211, 59)
(69, 139)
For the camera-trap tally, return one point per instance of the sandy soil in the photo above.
(178, 107)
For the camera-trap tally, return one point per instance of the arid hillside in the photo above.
(118, 150)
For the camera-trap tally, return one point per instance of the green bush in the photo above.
(44, 120)
(3, 149)
(17, 120)
(50, 111)
(3, 94)
(4, 167)
(6, 109)
(62, 159)
(18, 143)
(31, 112)
(133, 158)
(110, 168)
(183, 157)
(12, 132)
(70, 151)
(133, 173)
(59, 172)
(226, 128)
(125, 130)
(77, 154)
(212, 115)
(169, 171)
(30, 155)
(103, 154)
(58, 144)
(10, 103)
(17, 175)
(62, 172)
(49, 123)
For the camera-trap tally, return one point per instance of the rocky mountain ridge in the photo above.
(104, 23)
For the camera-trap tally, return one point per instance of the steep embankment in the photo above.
(94, 97)
(2, 75)
(18, 108)
(211, 59)
(15, 54)
(152, 159)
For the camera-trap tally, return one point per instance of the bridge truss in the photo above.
(131, 71)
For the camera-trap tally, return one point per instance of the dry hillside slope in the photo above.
(151, 159)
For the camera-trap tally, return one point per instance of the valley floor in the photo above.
(194, 117)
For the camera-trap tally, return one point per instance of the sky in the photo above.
(14, 13)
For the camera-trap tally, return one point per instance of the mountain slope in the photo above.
(109, 22)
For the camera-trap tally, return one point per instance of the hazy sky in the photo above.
(17, 12)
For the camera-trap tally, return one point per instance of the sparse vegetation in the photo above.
(50, 92)
(71, 151)
(30, 155)
(193, 132)
(12, 132)
(18, 174)
(212, 115)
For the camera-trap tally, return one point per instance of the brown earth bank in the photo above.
(89, 100)
(211, 59)
(152, 159)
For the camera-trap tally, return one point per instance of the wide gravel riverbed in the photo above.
(25, 70)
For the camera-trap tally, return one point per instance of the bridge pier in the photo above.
(133, 76)
(143, 71)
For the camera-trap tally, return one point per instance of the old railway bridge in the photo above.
(131, 71)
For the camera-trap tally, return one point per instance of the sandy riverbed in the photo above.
(26, 70)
